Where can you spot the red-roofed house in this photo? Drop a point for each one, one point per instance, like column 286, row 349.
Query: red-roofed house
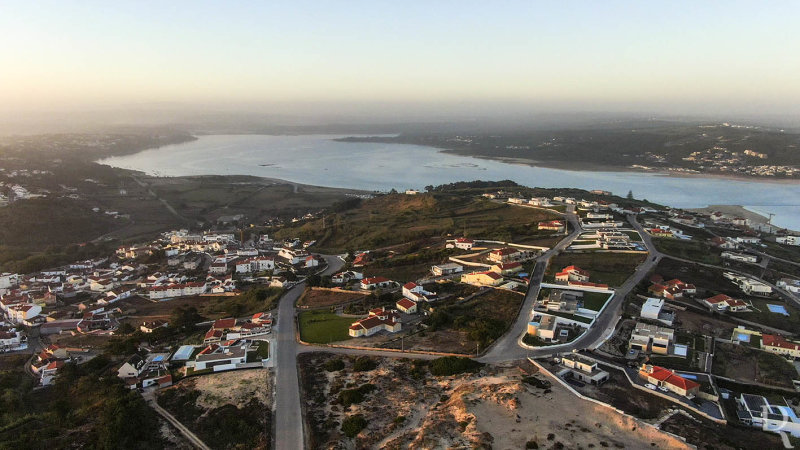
column 660, row 232
column 361, row 259
column 262, row 317
column 213, row 336
column 407, row 306
column 572, row 273
column 506, row 269
column 722, row 302
column 380, row 319
column 375, row 283
column 588, row 284
column 662, row 377
column 224, row 324
column 464, row 243
column 482, row 278
column 553, row 225
column 509, row 254
column 778, row 344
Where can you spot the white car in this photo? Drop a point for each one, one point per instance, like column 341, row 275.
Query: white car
column 650, row 386
column 663, row 389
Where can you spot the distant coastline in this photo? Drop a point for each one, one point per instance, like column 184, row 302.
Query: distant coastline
column 579, row 166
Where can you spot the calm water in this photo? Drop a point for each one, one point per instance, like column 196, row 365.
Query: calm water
column 319, row 160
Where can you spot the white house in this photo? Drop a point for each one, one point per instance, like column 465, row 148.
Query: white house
column 258, row 264
column 788, row 240
column 23, row 312
column 464, row 243
column 132, row 367
column 652, row 308
column 407, row 306
column 293, row 255
column 379, row 319
column 376, row 282
column 446, row 269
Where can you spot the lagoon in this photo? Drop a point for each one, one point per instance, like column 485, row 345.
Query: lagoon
column 322, row 161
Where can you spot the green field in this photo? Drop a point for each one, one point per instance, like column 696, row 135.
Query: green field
column 595, row 300
column 609, row 268
column 761, row 314
column 322, row 327
column 634, row 235
column 693, row 250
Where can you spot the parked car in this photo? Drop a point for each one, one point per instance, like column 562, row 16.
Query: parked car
column 663, row 389
column 650, row 386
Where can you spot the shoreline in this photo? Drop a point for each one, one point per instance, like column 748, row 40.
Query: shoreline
column 589, row 167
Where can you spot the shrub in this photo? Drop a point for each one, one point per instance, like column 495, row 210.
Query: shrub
column 364, row 364
column 453, row 365
column 352, row 425
column 349, row 397
column 333, row 365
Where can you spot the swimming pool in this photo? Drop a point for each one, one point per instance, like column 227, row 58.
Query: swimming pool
column 777, row 309
column 743, row 337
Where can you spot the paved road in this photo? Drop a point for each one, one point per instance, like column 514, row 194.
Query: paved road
column 508, row 348
column 288, row 411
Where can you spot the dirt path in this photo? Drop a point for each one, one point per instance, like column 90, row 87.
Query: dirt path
column 149, row 396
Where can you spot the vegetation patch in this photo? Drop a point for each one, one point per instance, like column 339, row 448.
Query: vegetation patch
column 323, row 327
column 453, row 365
column 693, row 250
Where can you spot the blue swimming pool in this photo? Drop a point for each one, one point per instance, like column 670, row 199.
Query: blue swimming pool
column 743, row 337
column 777, row 309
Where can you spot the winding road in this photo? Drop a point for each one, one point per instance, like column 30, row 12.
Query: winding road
column 289, row 433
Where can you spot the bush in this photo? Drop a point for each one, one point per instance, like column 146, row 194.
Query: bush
column 349, row 397
column 333, row 365
column 352, row 425
column 453, row 365
column 364, row 364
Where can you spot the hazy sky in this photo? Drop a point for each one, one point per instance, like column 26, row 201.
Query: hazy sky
column 56, row 54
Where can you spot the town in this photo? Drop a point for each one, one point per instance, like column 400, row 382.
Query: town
column 673, row 319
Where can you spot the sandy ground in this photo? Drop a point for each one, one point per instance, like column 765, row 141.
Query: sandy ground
column 734, row 210
column 236, row 387
column 491, row 409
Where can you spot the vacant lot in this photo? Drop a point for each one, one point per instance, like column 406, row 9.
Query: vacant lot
column 608, row 268
column 496, row 408
column 323, row 327
column 706, row 434
column 705, row 323
column 761, row 314
column 228, row 410
column 746, row 364
column 454, row 326
column 321, row 297
column 708, row 280
column 694, row 250
column 595, row 300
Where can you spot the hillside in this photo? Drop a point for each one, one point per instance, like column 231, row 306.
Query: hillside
column 398, row 218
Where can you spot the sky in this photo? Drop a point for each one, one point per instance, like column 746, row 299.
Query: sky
column 595, row 55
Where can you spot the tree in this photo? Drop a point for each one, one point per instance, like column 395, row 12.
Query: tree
column 630, row 195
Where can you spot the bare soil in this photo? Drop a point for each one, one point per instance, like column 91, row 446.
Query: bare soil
column 319, row 298
column 494, row 408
